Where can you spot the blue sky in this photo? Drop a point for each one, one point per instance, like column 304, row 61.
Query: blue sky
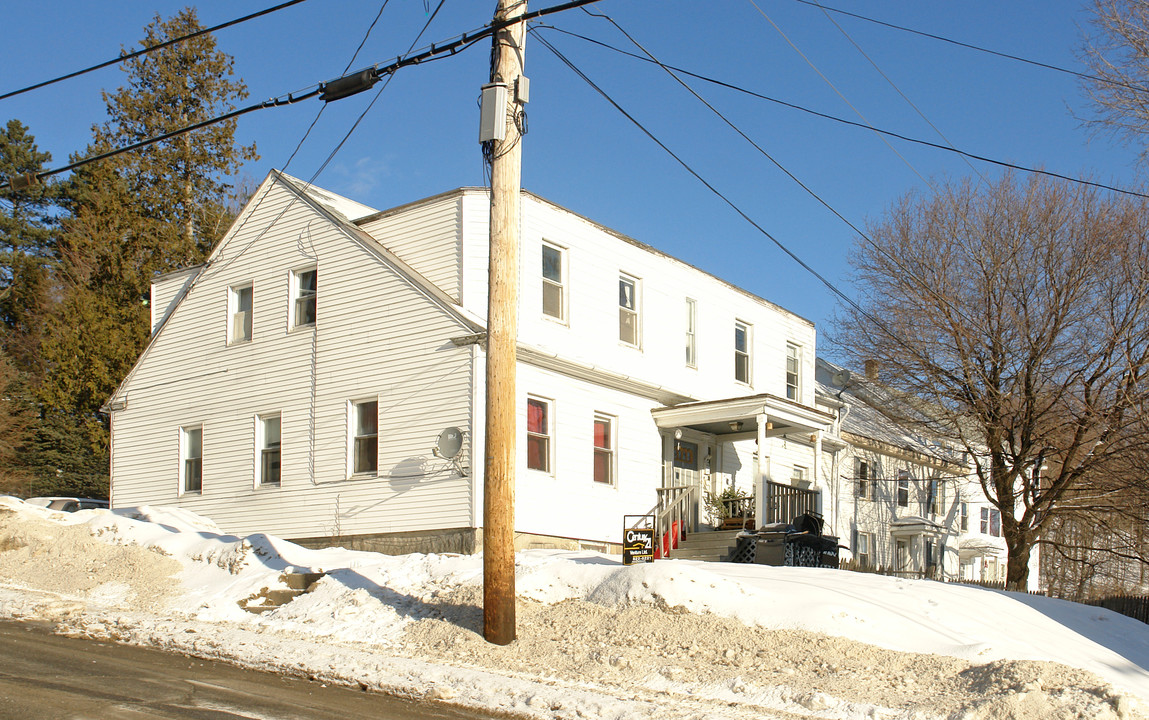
column 420, row 137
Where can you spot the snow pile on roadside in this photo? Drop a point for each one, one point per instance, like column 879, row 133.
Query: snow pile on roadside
column 675, row 639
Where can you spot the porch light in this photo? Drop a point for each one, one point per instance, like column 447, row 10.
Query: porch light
column 735, row 425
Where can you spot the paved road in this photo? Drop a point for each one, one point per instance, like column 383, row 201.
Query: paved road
column 49, row 677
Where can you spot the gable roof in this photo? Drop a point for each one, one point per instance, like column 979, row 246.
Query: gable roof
column 331, row 207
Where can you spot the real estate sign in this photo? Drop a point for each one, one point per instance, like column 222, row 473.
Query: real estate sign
column 637, row 545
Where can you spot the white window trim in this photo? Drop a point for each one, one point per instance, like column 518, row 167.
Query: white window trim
column 293, row 295
column 749, row 353
column 233, row 308
column 796, row 355
column 352, row 417
column 612, row 451
column 636, row 282
column 260, row 447
column 550, row 435
column 692, row 333
column 184, row 430
column 564, row 293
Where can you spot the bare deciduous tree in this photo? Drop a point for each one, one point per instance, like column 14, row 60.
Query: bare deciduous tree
column 1117, row 55
column 1017, row 316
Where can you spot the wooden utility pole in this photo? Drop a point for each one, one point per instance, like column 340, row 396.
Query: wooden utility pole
column 502, row 334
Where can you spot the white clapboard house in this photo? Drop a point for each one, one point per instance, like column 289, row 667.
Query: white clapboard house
column 298, row 381
column 902, row 502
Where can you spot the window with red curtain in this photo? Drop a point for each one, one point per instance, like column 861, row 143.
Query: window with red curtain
column 538, row 435
column 603, row 450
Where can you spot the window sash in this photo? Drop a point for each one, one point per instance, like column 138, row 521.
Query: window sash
column 552, row 278
column 903, row 490
column 691, row 319
column 792, row 371
column 305, row 295
column 241, row 325
column 603, row 451
column 269, row 453
column 862, row 479
column 538, row 435
column 742, row 352
column 365, row 446
column 193, row 460
column 628, row 310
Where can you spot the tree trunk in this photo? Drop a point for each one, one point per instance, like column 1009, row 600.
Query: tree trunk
column 1017, row 563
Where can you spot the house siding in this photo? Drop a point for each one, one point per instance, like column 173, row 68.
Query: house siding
column 427, row 237
column 378, row 335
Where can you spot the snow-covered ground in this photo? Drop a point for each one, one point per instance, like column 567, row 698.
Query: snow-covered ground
column 674, row 639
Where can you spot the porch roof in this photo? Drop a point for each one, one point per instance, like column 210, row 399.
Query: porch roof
column 915, row 525
column 740, row 416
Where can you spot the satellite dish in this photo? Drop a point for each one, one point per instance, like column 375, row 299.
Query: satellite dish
column 840, row 378
column 450, row 442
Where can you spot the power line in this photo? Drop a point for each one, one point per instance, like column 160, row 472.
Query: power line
column 359, row 81
column 852, row 123
column 838, row 92
column 151, row 48
column 969, row 46
column 908, row 271
column 686, row 166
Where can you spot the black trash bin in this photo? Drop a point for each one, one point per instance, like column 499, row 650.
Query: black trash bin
column 770, row 548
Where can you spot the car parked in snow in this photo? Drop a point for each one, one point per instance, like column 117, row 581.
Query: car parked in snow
column 69, row 504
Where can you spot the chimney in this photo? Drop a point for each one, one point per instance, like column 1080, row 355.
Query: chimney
column 871, row 369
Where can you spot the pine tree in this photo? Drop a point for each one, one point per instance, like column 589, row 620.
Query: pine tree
column 149, row 211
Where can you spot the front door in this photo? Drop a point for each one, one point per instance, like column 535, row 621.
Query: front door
column 686, row 472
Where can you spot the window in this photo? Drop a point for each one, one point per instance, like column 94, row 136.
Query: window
column 793, row 365
column 539, row 434
column 863, row 550
column 936, row 499
column 691, row 319
column 991, row 521
column 365, row 441
column 554, row 304
column 269, row 449
column 239, row 312
column 964, row 516
column 798, row 476
column 603, row 449
column 862, row 485
column 628, row 330
column 903, row 488
column 742, row 352
column 304, row 293
column 191, row 459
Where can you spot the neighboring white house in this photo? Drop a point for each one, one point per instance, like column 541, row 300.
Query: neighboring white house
column 900, row 501
column 296, row 383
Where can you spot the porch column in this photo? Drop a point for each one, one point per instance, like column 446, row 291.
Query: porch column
column 761, row 472
column 667, row 458
column 815, row 475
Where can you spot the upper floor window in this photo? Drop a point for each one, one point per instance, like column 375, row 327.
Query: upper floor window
column 691, row 321
column 268, row 439
column 304, row 289
column 742, row 352
column 793, row 366
column 991, row 521
column 603, row 449
column 365, row 436
column 935, row 502
column 964, row 514
column 628, row 310
column 903, row 488
column 191, row 459
column 863, row 488
column 239, row 301
column 554, row 289
column 538, row 434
